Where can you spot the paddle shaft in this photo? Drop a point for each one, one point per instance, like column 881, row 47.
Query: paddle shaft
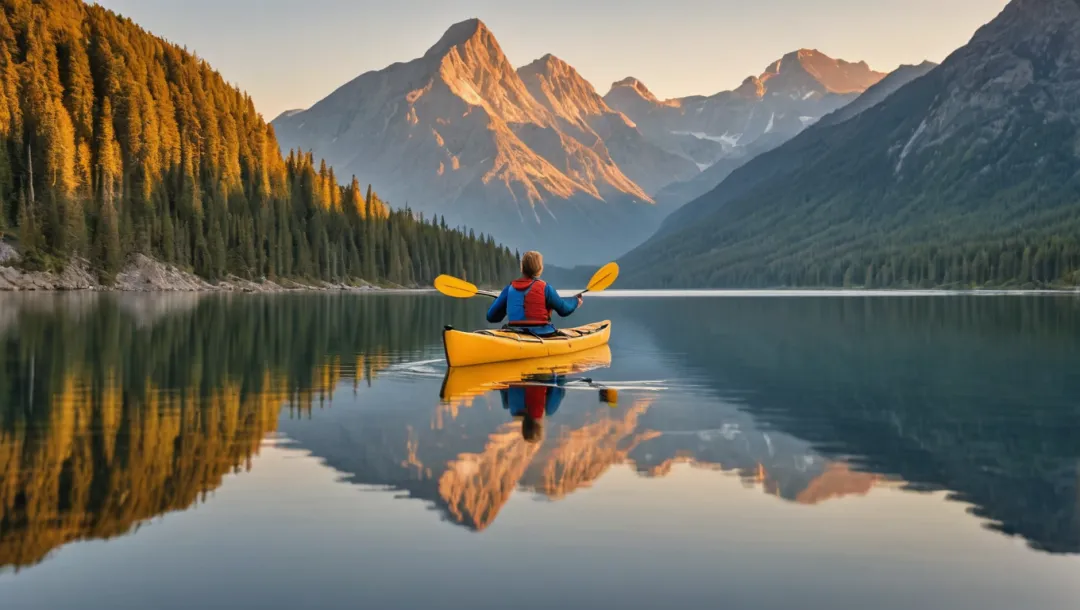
column 458, row 288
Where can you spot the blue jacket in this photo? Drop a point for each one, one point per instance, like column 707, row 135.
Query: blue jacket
column 512, row 301
column 516, row 399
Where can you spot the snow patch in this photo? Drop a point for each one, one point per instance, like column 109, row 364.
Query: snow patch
column 772, row 123
column 910, row 143
column 727, row 138
column 809, row 94
column 703, row 166
column 807, row 120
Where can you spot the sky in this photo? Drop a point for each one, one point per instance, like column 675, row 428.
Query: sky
column 290, row 54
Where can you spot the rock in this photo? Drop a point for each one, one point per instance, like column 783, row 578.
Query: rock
column 8, row 254
column 145, row 274
column 76, row 276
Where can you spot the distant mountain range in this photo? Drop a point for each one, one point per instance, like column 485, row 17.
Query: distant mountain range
column 535, row 156
column 967, row 175
column 679, row 193
column 790, row 94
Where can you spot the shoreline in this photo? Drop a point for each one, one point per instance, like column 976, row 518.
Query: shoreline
column 145, row 275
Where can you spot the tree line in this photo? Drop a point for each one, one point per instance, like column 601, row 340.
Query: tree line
column 1015, row 263
column 115, row 142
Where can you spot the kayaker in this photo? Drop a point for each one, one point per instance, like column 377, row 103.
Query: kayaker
column 532, row 403
column 529, row 301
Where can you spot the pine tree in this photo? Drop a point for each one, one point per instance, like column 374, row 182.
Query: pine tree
column 107, row 248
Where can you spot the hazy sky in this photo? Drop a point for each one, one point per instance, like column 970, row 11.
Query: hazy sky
column 291, row 53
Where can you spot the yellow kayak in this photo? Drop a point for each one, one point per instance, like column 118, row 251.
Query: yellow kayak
column 488, row 346
column 465, row 382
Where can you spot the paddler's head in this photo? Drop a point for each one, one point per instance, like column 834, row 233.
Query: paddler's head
column 532, row 429
column 532, row 264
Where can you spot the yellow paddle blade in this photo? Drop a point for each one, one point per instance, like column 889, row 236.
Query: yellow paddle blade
column 604, row 278
column 454, row 287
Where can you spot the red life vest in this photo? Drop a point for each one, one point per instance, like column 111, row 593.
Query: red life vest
column 536, row 311
column 536, row 401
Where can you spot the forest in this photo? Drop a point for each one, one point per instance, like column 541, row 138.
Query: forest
column 115, row 142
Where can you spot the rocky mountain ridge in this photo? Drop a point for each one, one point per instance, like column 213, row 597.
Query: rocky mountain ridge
column 535, row 156
column 966, row 176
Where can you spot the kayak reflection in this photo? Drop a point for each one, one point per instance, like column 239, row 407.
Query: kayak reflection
column 529, row 389
column 463, row 383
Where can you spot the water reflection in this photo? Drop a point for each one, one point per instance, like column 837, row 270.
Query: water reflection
column 117, row 409
column 973, row 395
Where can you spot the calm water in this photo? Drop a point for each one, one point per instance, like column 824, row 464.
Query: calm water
column 294, row 451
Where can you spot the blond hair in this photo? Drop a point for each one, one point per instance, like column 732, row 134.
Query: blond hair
column 532, row 264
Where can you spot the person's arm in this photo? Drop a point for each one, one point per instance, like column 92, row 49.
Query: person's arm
column 497, row 311
column 559, row 305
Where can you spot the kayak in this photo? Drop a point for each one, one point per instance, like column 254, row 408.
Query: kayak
column 488, row 346
column 462, row 383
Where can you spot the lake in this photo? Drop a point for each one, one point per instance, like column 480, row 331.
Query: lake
column 758, row 451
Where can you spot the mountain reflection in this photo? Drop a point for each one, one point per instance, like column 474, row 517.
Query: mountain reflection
column 467, row 463
column 117, row 409
column 974, row 395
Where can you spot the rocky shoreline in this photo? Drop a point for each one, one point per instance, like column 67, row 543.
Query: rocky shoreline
column 144, row 274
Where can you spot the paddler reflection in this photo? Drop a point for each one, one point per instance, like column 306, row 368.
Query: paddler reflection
column 532, row 401
column 539, row 397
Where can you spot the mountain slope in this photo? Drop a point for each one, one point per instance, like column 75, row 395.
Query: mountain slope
column 457, row 133
column 877, row 94
column 587, row 117
column 676, row 195
column 790, row 94
column 968, row 175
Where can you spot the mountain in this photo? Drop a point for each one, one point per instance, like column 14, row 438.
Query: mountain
column 877, row 94
column 115, row 143
column 790, row 94
column 458, row 133
column 678, row 194
column 587, row 117
column 967, row 176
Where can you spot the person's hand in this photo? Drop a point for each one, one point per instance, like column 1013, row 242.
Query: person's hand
column 580, row 300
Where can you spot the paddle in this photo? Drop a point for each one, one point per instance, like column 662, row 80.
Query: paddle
column 460, row 289
column 608, row 396
column 602, row 279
